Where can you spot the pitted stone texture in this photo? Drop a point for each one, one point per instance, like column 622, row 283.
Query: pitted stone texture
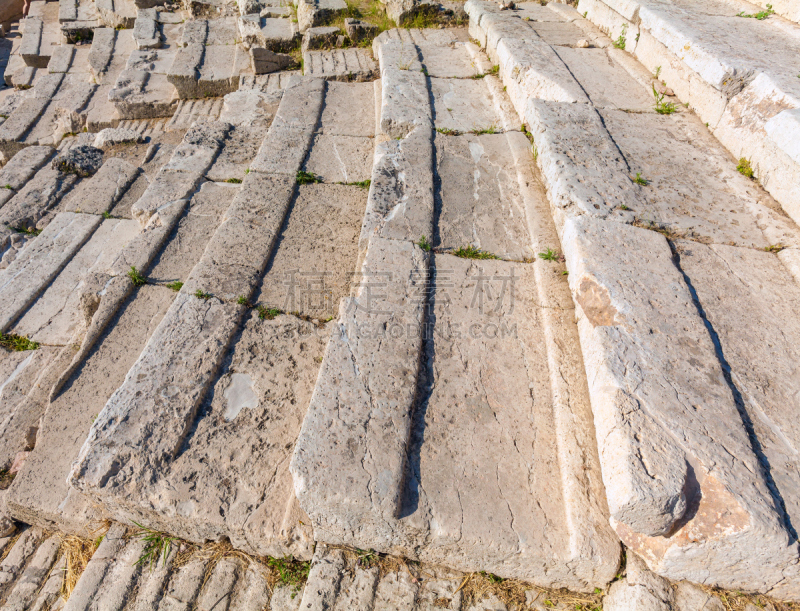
column 250, row 108
column 39, row 195
column 40, row 493
column 313, row 266
column 57, row 317
column 479, row 197
column 404, row 104
column 358, row 30
column 453, row 60
column 319, row 38
column 275, row 34
column 23, row 280
column 641, row 590
column 743, row 289
column 17, row 172
column 264, row 61
column 312, row 13
column 140, row 94
column 165, row 189
column 83, row 161
column 349, row 110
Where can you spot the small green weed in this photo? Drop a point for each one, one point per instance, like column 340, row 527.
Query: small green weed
column 550, row 255
column 234, row 181
column 364, row 184
column 8, row 187
column 291, row 572
column 470, row 252
column 242, row 300
column 448, row 132
column 367, row 558
column 761, row 15
column 106, row 214
column 157, row 546
column 265, row 313
column 495, row 70
column 744, row 168
column 200, row 294
column 623, row 207
column 424, row 244
column 26, row 231
column 774, row 248
column 306, row 178
column 175, row 286
column 17, row 343
column 641, row 181
column 136, row 277
column 662, row 107
column 657, row 72
column 492, row 129
column 619, row 43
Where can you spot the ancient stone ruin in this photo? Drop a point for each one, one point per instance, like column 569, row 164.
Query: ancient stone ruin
column 350, row 305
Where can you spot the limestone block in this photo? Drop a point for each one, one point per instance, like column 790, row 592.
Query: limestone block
column 358, row 30
column 239, row 250
column 102, row 50
column 348, row 65
column 323, row 37
column 218, row 586
column 252, row 591
column 481, row 204
column 82, row 161
column 23, row 280
column 186, row 349
column 138, row 94
column 349, row 110
column 145, row 32
column 96, row 570
column 313, row 13
column 265, row 61
column 184, row 585
column 535, row 72
column 67, row 10
column 404, row 102
column 61, row 58
column 30, row 48
column 119, row 584
column 276, row 34
column 17, row 172
column 250, row 108
column 345, row 159
column 680, row 467
column 34, row 576
column 323, row 579
column 401, row 199
column 641, row 590
column 396, row 54
column 447, row 61
column 165, row 189
column 463, row 105
column 50, row 592
column 313, row 269
column 593, row 181
column 376, row 380
column 25, row 546
column 117, row 135
column 57, row 318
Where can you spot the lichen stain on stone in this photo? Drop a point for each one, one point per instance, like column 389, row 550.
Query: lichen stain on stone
column 596, row 304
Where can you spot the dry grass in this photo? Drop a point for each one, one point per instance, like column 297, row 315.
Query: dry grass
column 738, row 601
column 477, row 586
column 10, row 545
column 77, row 551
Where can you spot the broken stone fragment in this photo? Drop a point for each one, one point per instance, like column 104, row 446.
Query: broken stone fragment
column 265, row 61
column 320, row 38
column 117, row 135
column 358, row 30
column 83, row 161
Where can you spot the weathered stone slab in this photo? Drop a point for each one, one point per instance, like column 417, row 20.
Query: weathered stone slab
column 138, row 94
column 276, row 34
column 239, row 250
column 218, row 588
column 117, row 135
column 404, row 102
column 313, row 13
column 605, row 82
column 713, row 204
column 749, row 298
column 479, row 198
column 57, row 317
column 323, row 37
column 146, row 32
column 102, row 49
column 536, row 72
column 252, row 590
column 23, row 280
column 184, row 585
column 289, row 137
column 31, row 46
column 250, row 108
column 41, row 194
column 32, row 579
column 359, row 31
column 376, row 379
column 264, row 61
column 348, row 65
column 51, row 590
column 165, row 189
column 635, row 307
column 14, row 563
column 17, row 172
column 313, row 267
column 447, row 61
column 349, row 110
column 40, row 493
column 401, row 198
column 61, row 59
column 187, row 348
column 463, row 105
column 344, row 159
column 101, row 564
column 193, row 232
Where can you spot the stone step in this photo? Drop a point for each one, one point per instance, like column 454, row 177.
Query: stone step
column 117, row 13
column 230, row 267
column 189, row 111
column 590, row 154
column 347, row 65
column 280, row 35
column 723, row 66
column 210, row 60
